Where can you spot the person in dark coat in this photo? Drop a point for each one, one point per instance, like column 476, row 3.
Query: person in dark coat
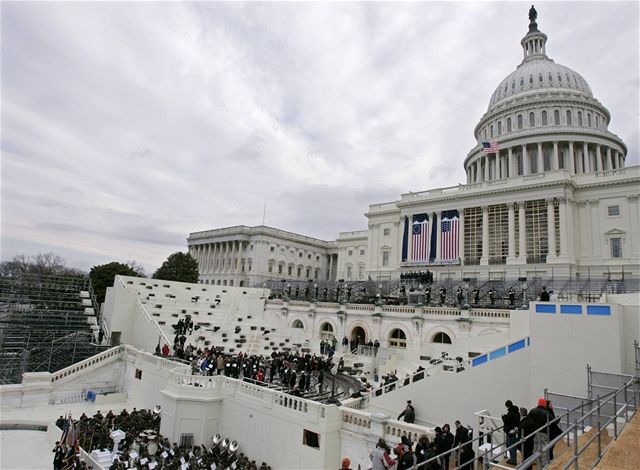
column 449, row 439
column 422, row 448
column 439, row 442
column 554, row 427
column 466, row 457
column 408, row 413
column 527, row 428
column 511, row 422
column 540, row 417
column 408, row 459
column 544, row 295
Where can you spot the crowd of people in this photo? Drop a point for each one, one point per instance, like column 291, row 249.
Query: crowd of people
column 418, row 276
column 534, row 428
column 143, row 446
column 435, row 452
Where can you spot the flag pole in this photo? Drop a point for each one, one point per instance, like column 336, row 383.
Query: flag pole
column 264, row 210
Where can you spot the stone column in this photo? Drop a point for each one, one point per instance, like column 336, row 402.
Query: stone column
column 551, row 230
column 555, row 164
column 484, row 259
column 598, row 158
column 522, row 235
column 634, row 227
column 586, row 161
column 461, row 235
column 486, row 167
column 540, row 158
column 526, row 164
column 438, row 235
column 205, row 258
column 610, row 164
column 330, row 267
column 564, row 231
column 572, row 160
column 512, row 231
column 511, row 167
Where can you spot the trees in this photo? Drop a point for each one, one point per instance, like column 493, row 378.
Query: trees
column 102, row 276
column 46, row 264
column 178, row 267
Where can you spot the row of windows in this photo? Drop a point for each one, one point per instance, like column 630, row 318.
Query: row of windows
column 569, row 80
column 582, row 119
column 350, row 252
column 298, row 270
column 300, row 253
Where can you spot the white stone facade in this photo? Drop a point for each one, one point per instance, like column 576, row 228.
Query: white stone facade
column 248, row 256
column 553, row 200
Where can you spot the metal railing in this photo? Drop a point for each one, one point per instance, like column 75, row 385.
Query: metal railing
column 610, row 411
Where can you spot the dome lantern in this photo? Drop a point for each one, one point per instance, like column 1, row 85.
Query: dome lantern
column 534, row 43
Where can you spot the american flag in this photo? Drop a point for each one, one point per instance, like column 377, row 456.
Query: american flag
column 449, row 249
column 490, row 147
column 420, row 238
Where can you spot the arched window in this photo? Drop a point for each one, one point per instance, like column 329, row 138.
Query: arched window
column 231, row 282
column 579, row 118
column 499, row 127
column 441, row 338
column 544, row 118
column 326, row 331
column 556, row 117
column 589, row 119
column 597, row 121
column 508, row 124
column 298, row 324
column 569, row 117
column 397, row 339
column 519, row 121
column 532, row 120
column 491, row 130
column 485, row 134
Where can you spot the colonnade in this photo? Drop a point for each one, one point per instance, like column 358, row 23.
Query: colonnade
column 516, row 228
column 220, row 257
column 519, row 160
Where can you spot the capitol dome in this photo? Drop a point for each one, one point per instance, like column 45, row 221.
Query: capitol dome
column 542, row 117
column 536, row 75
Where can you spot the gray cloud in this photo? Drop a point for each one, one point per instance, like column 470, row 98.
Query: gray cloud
column 125, row 126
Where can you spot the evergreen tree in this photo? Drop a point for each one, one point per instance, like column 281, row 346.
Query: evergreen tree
column 178, row 267
column 102, row 276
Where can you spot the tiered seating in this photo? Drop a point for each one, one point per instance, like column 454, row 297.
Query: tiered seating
column 46, row 323
column 231, row 318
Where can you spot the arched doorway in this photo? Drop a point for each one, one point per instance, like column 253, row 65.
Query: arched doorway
column 441, row 338
column 326, row 331
column 357, row 337
column 298, row 324
column 397, row 339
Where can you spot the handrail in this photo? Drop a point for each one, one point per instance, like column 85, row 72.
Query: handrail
column 116, row 351
column 537, row 457
column 153, row 322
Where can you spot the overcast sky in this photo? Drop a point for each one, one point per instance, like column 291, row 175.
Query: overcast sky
column 126, row 126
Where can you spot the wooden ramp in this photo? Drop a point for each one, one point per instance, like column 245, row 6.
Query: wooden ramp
column 588, row 457
column 624, row 453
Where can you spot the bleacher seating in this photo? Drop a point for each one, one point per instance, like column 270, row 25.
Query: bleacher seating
column 46, row 323
column 223, row 317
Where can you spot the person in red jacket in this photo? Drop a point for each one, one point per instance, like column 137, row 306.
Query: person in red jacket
column 165, row 350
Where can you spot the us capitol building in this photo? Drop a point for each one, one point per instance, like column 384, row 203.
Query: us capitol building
column 547, row 195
